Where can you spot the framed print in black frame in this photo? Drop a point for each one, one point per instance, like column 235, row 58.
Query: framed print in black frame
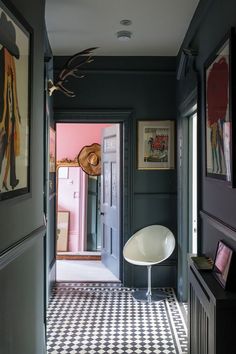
column 224, row 266
column 156, row 145
column 219, row 107
column 15, row 79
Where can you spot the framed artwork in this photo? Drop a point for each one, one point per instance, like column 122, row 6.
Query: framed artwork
column 52, row 150
column 224, row 265
column 15, row 79
column 62, row 230
column 219, row 106
column 156, row 145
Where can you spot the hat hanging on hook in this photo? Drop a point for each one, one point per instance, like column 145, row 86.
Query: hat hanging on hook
column 89, row 159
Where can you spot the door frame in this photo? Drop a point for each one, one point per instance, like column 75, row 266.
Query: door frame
column 186, row 109
column 124, row 118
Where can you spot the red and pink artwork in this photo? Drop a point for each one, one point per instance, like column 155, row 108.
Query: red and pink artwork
column 156, row 145
column 218, row 126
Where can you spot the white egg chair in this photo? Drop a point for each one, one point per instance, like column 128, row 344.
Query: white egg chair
column 147, row 247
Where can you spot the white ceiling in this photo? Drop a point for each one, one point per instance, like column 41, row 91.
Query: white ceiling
column 158, row 26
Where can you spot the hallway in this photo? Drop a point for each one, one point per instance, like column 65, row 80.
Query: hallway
column 90, row 318
column 89, row 271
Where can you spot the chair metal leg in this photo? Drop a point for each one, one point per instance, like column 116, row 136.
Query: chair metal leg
column 149, row 292
column 149, row 295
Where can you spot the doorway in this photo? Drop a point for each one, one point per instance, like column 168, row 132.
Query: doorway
column 192, row 175
column 82, row 228
column 187, row 190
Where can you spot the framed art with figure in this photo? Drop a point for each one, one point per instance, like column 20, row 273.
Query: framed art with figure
column 219, row 107
column 156, row 145
column 15, row 76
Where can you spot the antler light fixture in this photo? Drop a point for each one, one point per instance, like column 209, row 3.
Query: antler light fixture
column 71, row 68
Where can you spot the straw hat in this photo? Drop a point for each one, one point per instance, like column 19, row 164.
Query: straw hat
column 89, row 159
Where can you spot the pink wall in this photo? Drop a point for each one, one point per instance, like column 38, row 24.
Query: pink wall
column 70, row 138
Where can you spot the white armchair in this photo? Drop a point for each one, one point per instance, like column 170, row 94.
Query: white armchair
column 147, row 247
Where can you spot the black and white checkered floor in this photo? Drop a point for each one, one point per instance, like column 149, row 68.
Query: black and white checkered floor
column 105, row 319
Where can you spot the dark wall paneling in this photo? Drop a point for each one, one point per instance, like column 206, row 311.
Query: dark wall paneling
column 21, row 297
column 21, row 208
column 16, row 250
column 214, row 230
column 146, row 85
column 22, row 327
column 212, row 21
column 219, row 200
column 155, row 181
column 146, row 92
column 162, row 276
column 141, row 83
column 121, row 64
column 154, row 208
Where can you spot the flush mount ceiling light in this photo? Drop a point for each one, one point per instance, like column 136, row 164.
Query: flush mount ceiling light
column 126, row 22
column 124, row 35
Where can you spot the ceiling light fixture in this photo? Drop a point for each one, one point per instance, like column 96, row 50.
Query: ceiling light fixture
column 126, row 22
column 124, row 35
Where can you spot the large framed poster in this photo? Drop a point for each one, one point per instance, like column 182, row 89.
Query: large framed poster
column 219, row 110
column 15, row 93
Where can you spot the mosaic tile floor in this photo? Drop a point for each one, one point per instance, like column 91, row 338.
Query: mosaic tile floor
column 105, row 319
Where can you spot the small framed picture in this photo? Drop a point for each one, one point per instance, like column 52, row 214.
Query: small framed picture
column 62, row 230
column 219, row 109
column 223, row 265
column 156, row 145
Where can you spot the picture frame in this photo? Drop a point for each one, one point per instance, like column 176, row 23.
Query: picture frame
column 156, row 145
column 52, row 150
column 16, row 38
column 219, row 83
column 224, row 266
column 62, row 230
column 52, row 160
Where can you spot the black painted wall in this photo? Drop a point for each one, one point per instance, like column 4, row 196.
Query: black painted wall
column 217, row 200
column 22, row 327
column 145, row 85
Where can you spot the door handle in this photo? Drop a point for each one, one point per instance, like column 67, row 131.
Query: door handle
column 102, row 213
